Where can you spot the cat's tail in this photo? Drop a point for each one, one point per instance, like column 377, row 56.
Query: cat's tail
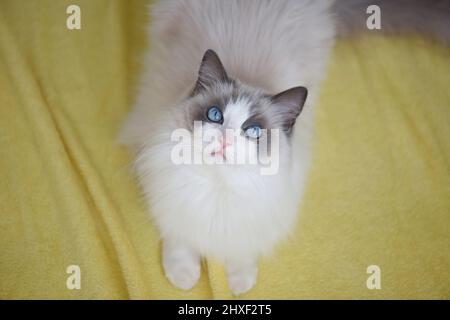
column 430, row 19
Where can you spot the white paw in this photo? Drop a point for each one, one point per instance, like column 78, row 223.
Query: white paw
column 241, row 282
column 182, row 274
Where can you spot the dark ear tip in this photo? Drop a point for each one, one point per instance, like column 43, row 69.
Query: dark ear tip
column 304, row 92
column 295, row 93
column 209, row 53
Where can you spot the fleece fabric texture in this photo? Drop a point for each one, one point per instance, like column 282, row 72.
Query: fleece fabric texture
column 378, row 194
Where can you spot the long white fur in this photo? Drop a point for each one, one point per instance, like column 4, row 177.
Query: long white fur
column 234, row 215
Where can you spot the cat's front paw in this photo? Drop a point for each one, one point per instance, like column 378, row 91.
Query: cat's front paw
column 181, row 265
column 183, row 276
column 242, row 281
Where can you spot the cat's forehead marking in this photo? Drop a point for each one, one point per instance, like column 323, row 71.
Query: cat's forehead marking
column 237, row 112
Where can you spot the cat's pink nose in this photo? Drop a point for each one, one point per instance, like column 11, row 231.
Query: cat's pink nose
column 223, row 145
column 228, row 142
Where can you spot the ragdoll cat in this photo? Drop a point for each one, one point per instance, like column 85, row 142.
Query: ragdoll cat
column 252, row 67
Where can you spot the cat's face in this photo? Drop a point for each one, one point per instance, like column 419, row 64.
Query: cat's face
column 235, row 123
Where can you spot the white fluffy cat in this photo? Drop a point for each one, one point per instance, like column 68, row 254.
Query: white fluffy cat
column 232, row 213
column 242, row 65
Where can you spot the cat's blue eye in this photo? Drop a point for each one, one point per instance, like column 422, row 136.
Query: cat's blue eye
column 214, row 114
column 254, row 131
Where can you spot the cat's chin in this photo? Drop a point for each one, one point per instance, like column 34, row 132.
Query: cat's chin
column 219, row 156
column 223, row 161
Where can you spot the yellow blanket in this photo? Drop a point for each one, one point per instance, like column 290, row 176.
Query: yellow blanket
column 379, row 192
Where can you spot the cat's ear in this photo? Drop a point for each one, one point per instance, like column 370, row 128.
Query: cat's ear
column 289, row 104
column 211, row 71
